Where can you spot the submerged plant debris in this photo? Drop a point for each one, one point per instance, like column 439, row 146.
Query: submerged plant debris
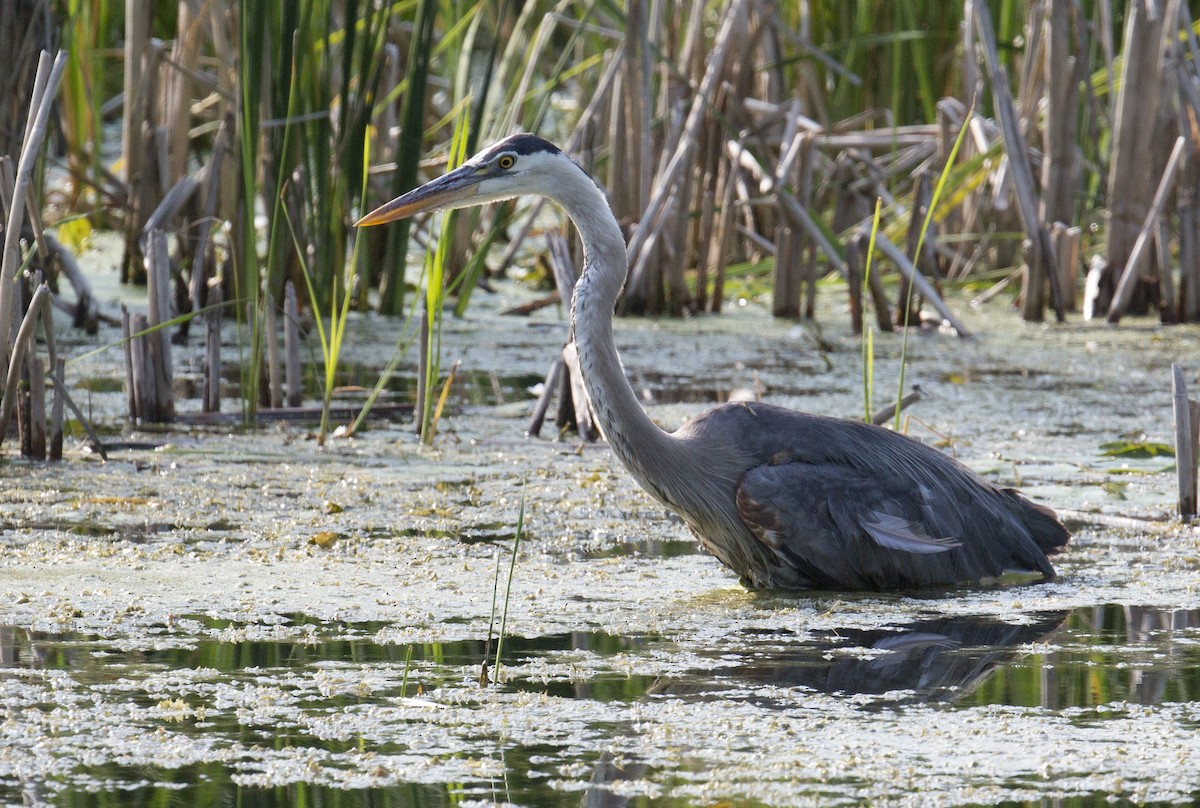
column 243, row 618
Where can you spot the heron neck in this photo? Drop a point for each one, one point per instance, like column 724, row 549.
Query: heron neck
column 634, row 438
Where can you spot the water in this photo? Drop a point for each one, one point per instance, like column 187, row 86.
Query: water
column 241, row 617
column 327, row 715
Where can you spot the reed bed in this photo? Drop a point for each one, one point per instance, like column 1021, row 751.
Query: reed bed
column 743, row 145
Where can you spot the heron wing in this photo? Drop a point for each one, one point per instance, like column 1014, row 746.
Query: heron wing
column 845, row 528
column 889, row 530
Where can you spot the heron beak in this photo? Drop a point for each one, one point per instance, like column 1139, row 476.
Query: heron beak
column 447, row 191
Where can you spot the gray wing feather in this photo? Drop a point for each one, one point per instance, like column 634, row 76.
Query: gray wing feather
column 848, row 529
column 899, row 534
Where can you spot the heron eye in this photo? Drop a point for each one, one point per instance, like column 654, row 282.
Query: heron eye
column 506, row 161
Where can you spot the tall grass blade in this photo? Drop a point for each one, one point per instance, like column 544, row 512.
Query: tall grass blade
column 408, row 153
column 868, row 346
column 435, row 290
column 512, row 566
column 933, row 205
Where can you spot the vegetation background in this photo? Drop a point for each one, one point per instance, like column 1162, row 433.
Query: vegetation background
column 740, row 141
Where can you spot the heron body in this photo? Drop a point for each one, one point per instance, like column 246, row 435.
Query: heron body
column 784, row 499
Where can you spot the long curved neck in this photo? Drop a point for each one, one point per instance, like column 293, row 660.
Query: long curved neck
column 634, row 438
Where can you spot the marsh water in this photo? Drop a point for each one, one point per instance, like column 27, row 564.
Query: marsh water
column 219, row 616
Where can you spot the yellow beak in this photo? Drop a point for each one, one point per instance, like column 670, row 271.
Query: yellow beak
column 447, row 191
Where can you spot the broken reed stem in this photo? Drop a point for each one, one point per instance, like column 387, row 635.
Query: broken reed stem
column 212, row 351
column 57, row 410
column 142, row 380
column 21, row 344
column 160, row 375
column 61, row 390
column 920, row 284
column 884, row 414
column 667, row 180
column 1132, row 271
column 422, row 364
column 37, row 407
column 131, row 399
column 440, row 406
column 786, row 298
column 854, row 273
column 293, row 378
column 274, row 371
column 1041, row 256
column 41, row 100
column 549, row 387
column 583, row 414
column 1187, row 430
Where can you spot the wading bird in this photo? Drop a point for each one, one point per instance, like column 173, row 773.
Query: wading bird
column 785, row 499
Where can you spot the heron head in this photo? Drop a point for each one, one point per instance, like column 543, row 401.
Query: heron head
column 516, row 165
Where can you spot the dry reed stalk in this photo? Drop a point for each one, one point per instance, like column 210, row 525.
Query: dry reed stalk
column 144, row 380
column 85, row 313
column 57, row 411
column 786, row 298
column 158, row 295
column 703, row 240
column 1187, row 442
column 879, row 299
column 210, row 182
column 1130, row 184
column 22, row 344
column 294, row 379
column 1058, row 129
column 35, row 421
column 1168, row 307
column 919, row 283
column 723, row 233
column 212, row 353
column 854, row 273
column 178, row 89
column 422, row 368
column 168, row 206
column 678, row 253
column 542, row 406
column 796, row 213
column 564, row 415
column 274, row 362
column 135, row 131
column 632, row 151
column 888, row 412
column 1067, row 243
column 884, row 139
column 1133, row 270
column 41, row 99
column 583, row 414
column 562, row 267
column 914, row 236
column 131, row 375
column 1188, row 194
column 8, row 180
column 1040, row 256
column 680, row 158
column 573, row 407
column 951, row 114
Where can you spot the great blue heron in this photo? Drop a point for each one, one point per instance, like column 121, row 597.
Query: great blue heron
column 784, row 499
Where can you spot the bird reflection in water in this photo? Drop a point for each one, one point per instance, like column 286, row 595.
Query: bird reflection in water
column 942, row 659
column 939, row 660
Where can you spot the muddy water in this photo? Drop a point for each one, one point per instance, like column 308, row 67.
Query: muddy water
column 244, row 618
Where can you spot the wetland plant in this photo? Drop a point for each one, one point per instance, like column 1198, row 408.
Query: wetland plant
column 512, row 568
